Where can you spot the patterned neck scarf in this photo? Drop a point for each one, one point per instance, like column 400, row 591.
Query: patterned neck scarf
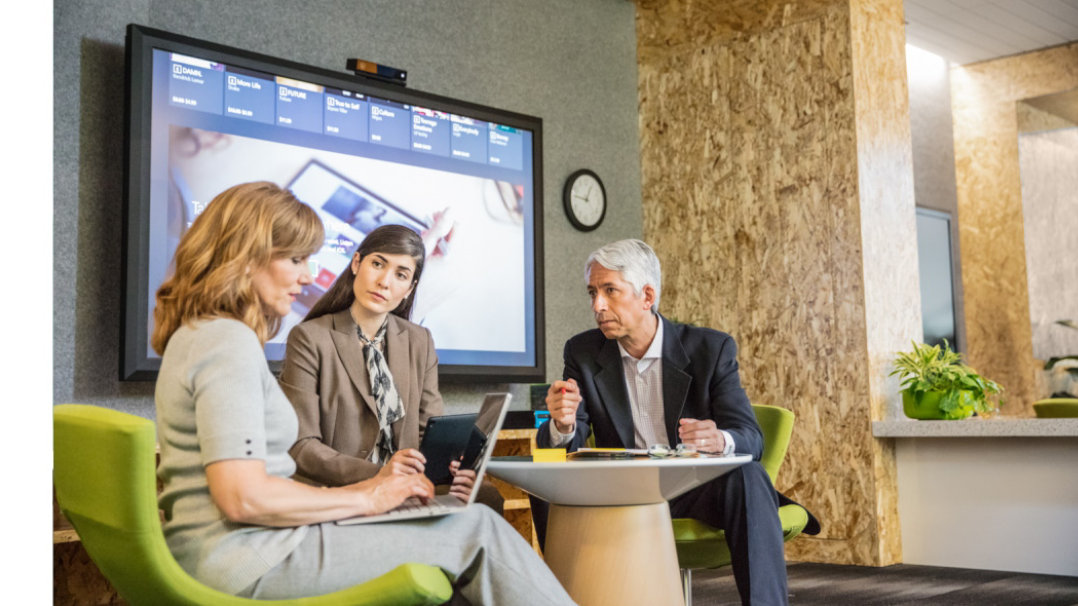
column 389, row 406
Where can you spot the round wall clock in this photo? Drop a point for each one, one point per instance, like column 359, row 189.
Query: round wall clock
column 584, row 198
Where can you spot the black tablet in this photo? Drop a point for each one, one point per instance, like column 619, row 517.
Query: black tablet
column 444, row 441
column 474, row 451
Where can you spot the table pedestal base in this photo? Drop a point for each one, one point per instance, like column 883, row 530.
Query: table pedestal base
column 614, row 555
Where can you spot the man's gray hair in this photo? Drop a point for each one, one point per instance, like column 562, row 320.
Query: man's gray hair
column 635, row 260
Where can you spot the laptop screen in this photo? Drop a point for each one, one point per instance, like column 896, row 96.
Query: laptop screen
column 484, row 435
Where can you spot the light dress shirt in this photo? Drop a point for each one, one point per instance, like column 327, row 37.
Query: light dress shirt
column 644, row 383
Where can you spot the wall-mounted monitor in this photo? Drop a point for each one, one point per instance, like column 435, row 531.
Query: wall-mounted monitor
column 202, row 117
column 935, row 261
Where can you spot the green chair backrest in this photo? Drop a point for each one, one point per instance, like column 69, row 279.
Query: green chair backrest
column 104, row 473
column 701, row 546
column 777, row 425
column 103, row 469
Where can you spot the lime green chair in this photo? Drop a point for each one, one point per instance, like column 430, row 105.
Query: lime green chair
column 1056, row 408
column 702, row 546
column 104, row 474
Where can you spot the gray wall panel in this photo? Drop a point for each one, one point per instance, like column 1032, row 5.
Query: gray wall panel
column 932, row 133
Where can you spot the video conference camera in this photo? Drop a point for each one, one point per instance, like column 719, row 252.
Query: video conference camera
column 383, row 73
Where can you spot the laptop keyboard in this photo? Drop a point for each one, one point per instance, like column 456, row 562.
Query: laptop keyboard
column 414, row 505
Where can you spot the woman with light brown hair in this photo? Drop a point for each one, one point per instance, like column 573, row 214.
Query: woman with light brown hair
column 254, row 226
column 233, row 518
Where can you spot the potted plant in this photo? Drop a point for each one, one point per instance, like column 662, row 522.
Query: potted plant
column 937, row 385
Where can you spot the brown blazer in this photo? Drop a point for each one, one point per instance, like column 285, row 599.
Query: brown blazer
column 325, row 377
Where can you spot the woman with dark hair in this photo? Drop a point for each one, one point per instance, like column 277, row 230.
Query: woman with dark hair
column 362, row 378
column 391, row 239
column 233, row 517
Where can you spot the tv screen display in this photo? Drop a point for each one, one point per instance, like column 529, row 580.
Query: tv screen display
column 936, row 268
column 202, row 117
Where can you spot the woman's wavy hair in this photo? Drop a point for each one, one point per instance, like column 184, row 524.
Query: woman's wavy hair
column 243, row 229
column 388, row 239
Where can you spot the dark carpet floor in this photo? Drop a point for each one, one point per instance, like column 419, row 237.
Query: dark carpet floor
column 898, row 585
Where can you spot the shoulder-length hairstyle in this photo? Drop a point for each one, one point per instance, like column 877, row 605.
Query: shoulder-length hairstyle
column 388, row 239
column 241, row 230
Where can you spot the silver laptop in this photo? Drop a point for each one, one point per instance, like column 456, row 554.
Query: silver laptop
column 487, row 425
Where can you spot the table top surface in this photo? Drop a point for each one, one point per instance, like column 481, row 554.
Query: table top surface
column 638, row 481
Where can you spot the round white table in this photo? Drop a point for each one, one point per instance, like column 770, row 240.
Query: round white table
column 609, row 538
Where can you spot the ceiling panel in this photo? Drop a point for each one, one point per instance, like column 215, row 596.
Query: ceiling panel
column 1049, row 21
column 967, row 31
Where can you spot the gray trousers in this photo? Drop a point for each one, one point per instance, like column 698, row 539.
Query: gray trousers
column 333, row 557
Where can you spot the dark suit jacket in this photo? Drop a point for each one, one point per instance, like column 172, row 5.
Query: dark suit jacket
column 325, row 377
column 700, row 381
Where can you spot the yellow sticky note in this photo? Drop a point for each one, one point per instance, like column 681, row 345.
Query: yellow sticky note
column 548, row 455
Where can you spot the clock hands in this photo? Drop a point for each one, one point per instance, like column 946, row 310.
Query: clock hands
column 586, row 196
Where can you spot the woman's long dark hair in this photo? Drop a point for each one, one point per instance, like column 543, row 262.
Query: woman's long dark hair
column 388, row 239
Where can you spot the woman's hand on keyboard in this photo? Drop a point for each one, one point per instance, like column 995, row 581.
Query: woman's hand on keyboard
column 386, row 492
column 406, row 461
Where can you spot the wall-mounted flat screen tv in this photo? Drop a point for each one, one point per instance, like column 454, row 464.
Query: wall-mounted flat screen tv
column 935, row 262
column 202, row 117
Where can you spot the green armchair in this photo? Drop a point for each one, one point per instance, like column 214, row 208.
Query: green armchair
column 702, row 546
column 104, row 474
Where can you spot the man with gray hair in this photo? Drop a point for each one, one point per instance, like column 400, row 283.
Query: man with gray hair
column 640, row 380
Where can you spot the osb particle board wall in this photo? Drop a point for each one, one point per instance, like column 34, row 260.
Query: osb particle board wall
column 990, row 222
column 775, row 203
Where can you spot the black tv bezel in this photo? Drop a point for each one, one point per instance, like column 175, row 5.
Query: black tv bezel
column 135, row 364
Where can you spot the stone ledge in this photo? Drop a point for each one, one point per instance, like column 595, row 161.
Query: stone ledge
column 1005, row 427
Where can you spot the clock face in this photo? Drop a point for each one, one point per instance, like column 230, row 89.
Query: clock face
column 585, row 200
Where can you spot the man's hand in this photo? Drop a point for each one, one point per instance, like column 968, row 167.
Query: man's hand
column 406, row 461
column 562, row 400
column 704, row 435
